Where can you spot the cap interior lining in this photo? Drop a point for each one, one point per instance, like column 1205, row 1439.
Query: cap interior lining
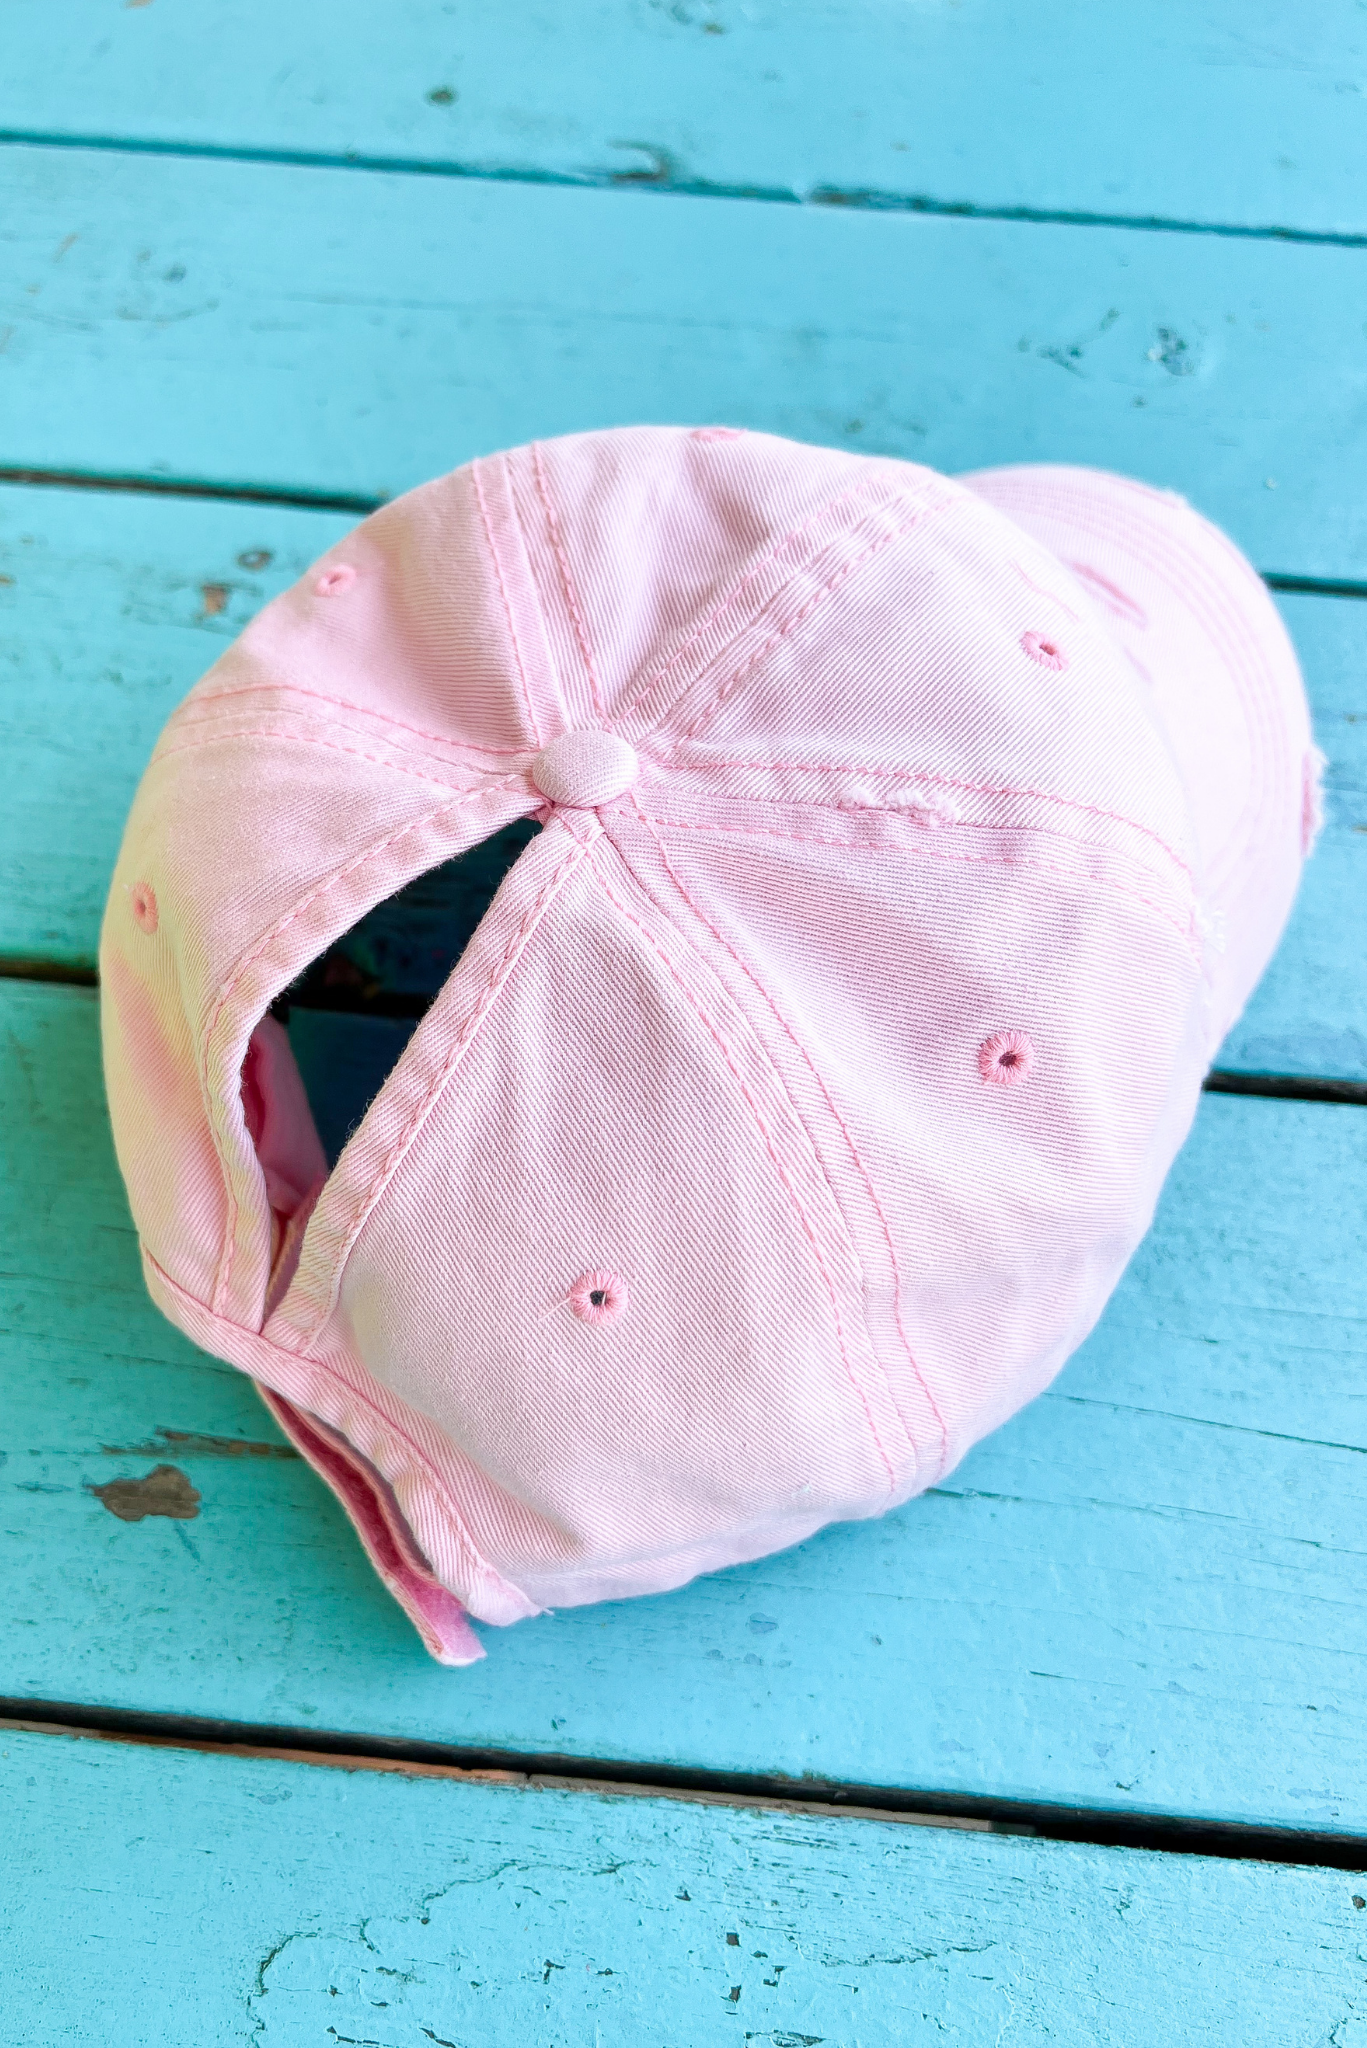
column 351, row 1013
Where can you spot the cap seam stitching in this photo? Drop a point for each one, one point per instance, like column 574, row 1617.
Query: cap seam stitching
column 855, row 1154
column 533, row 721
column 861, row 487
column 840, row 574
column 929, row 853
column 211, row 698
column 303, row 739
column 719, row 1040
column 559, row 709
column 403, row 1143
column 914, row 775
column 243, row 965
column 908, row 814
column 567, row 582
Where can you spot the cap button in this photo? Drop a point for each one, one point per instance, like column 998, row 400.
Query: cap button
column 585, row 769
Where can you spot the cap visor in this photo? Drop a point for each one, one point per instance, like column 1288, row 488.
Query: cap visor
column 1195, row 622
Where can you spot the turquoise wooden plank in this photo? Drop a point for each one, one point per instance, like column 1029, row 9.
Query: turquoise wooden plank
column 1145, row 1594
column 350, row 332
column 293, row 1905
column 1309, row 1014
column 111, row 607
column 1232, row 110
column 115, row 604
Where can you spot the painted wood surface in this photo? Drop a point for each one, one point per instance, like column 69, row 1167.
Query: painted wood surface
column 1144, row 1594
column 329, row 330
column 1240, row 111
column 1308, row 1015
column 112, row 605
column 300, row 1907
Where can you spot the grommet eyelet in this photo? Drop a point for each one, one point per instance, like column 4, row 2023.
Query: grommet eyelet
column 1046, row 652
column 599, row 1297
column 142, row 901
column 1005, row 1058
column 333, row 582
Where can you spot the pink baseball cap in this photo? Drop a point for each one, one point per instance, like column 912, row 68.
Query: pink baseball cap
column 907, row 847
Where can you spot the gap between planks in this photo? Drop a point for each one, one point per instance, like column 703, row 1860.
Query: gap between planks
column 1164, row 1833
column 344, row 1759
column 661, row 179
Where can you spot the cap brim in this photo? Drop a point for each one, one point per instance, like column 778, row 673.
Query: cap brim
column 1195, row 622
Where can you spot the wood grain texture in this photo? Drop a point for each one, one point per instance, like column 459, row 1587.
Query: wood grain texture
column 1308, row 1015
column 1238, row 111
column 349, row 332
column 1144, row 1594
column 112, row 605
column 302, row 1907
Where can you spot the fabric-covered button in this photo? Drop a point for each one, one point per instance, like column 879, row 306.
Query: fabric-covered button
column 583, row 769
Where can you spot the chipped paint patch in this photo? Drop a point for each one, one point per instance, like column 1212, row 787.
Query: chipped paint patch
column 163, row 1491
column 189, row 1443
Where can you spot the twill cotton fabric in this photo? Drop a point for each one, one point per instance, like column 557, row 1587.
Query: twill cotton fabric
column 908, row 846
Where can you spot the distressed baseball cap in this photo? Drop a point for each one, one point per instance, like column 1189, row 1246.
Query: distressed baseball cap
column 906, row 847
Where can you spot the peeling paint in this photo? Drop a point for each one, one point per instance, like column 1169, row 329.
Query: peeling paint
column 164, row 1490
column 189, row 1443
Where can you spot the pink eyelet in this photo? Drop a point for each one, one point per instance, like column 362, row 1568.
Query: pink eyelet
column 1005, row 1058
column 142, row 902
column 333, row 582
column 715, row 434
column 600, row 1297
column 1046, row 652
